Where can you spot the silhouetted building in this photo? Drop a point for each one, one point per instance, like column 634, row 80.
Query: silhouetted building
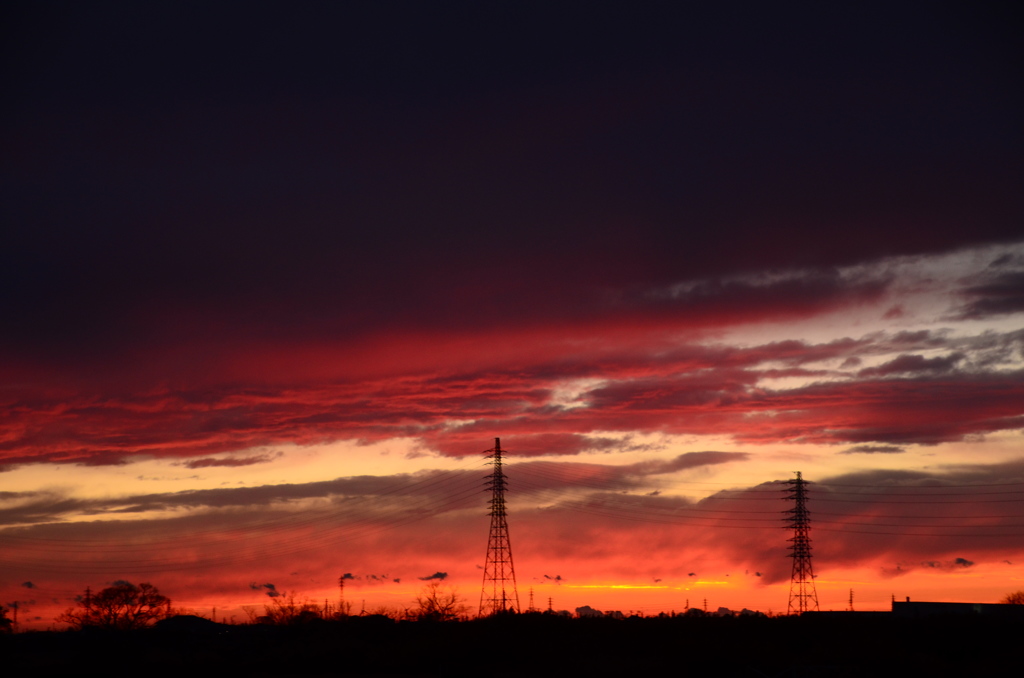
column 916, row 610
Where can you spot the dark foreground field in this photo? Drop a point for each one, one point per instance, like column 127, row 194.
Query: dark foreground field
column 535, row 645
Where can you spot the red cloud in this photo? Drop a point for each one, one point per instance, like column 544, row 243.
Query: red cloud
column 685, row 389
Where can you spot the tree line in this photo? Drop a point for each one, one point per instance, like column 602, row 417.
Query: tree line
column 124, row 606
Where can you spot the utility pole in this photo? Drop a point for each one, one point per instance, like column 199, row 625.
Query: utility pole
column 851, row 600
column 802, row 594
column 531, row 600
column 499, row 573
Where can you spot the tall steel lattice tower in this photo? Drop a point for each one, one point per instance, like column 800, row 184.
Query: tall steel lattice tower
column 499, row 590
column 802, row 595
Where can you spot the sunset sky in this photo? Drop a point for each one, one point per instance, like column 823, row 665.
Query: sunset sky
column 274, row 276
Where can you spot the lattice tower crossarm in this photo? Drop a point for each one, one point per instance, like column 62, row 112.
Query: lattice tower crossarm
column 499, row 592
column 802, row 594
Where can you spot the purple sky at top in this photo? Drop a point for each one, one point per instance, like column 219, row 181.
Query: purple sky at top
column 251, row 168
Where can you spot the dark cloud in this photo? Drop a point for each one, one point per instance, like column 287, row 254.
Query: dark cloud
column 16, row 495
column 1000, row 294
column 535, row 444
column 927, row 517
column 50, row 508
column 437, row 575
column 372, row 578
column 913, row 364
column 230, row 461
column 874, row 449
column 269, row 589
column 924, row 410
column 956, row 563
column 1005, row 259
column 355, row 495
column 28, row 585
column 685, row 461
column 807, row 291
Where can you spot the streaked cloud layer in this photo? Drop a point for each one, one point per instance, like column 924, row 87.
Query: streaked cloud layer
column 929, row 379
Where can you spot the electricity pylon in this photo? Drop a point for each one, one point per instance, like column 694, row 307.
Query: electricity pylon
column 802, row 595
column 499, row 573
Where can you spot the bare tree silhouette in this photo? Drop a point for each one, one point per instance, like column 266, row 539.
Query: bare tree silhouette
column 6, row 623
column 287, row 610
column 439, row 603
column 1015, row 598
column 121, row 606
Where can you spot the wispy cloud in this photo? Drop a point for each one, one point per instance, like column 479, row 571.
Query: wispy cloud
column 874, row 449
column 440, row 576
column 231, row 461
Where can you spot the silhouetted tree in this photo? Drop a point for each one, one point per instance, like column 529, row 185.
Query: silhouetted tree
column 392, row 612
column 286, row 610
column 438, row 603
column 6, row 624
column 1015, row 598
column 121, row 606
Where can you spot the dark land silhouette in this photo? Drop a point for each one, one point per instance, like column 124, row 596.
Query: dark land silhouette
column 534, row 645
